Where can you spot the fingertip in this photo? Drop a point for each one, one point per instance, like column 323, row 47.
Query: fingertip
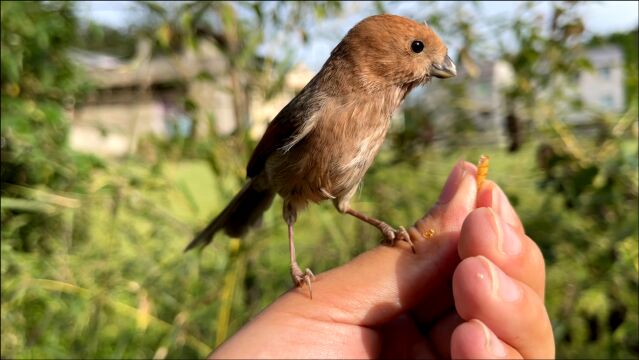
column 510, row 308
column 471, row 279
column 464, row 199
column 474, row 340
column 456, row 201
column 470, row 167
column 492, row 196
column 477, row 233
column 485, row 194
column 453, row 183
column 461, row 171
column 485, row 233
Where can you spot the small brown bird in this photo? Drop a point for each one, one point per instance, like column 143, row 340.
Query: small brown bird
column 322, row 143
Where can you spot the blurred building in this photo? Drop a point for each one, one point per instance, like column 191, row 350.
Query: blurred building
column 147, row 96
column 487, row 105
column 603, row 88
column 476, row 94
column 484, row 104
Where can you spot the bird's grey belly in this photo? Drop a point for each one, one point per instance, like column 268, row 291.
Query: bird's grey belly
column 351, row 168
column 311, row 172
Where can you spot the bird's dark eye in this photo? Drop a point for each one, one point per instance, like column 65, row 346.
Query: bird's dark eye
column 417, row 46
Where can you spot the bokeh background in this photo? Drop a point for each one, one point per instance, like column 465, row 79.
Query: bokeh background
column 126, row 126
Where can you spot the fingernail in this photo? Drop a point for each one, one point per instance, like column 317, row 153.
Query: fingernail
column 510, row 243
column 452, row 184
column 501, row 284
column 502, row 207
column 491, row 342
column 507, row 239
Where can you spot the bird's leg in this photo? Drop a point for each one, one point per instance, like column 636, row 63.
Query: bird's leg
column 299, row 277
column 390, row 235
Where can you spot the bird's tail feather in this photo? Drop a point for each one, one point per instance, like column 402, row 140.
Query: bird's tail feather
column 243, row 212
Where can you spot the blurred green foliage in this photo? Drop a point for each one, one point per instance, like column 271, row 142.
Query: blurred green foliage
column 92, row 262
column 38, row 84
column 593, row 269
column 237, row 30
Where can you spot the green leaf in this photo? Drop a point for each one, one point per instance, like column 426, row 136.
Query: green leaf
column 8, row 203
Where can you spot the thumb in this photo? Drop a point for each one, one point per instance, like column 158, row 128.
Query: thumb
column 386, row 281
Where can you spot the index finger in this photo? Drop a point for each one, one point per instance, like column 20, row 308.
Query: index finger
column 496, row 232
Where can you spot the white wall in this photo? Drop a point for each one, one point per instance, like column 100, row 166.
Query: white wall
column 603, row 88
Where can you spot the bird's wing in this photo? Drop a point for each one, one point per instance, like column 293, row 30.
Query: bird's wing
column 290, row 126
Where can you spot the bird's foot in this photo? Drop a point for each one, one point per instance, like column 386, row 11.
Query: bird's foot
column 391, row 236
column 302, row 277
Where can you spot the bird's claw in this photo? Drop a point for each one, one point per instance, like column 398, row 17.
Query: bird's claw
column 300, row 278
column 391, row 236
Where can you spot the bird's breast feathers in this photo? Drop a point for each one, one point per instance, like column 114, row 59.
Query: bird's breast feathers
column 331, row 152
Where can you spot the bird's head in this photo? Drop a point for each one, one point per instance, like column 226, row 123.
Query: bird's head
column 395, row 50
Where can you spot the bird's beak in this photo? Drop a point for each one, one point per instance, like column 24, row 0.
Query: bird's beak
column 444, row 70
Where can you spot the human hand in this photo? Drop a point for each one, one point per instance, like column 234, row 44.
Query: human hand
column 389, row 302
